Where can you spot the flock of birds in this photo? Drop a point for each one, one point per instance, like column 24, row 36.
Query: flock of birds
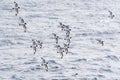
column 36, row 44
column 67, row 39
column 22, row 22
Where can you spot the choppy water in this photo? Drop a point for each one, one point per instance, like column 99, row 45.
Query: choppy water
column 88, row 20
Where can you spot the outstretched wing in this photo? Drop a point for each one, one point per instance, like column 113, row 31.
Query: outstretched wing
column 22, row 20
column 43, row 60
column 16, row 5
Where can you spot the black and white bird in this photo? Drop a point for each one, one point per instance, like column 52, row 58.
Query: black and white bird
column 100, row 42
column 16, row 8
column 34, row 46
column 44, row 63
column 61, row 25
column 60, row 50
column 23, row 23
column 68, row 39
column 68, row 32
column 39, row 44
column 66, row 46
column 111, row 15
column 67, row 28
column 56, row 38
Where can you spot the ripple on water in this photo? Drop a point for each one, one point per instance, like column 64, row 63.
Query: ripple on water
column 15, row 77
column 112, row 57
column 54, row 66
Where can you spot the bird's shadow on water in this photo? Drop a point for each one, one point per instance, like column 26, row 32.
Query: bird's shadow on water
column 6, row 67
column 54, row 66
column 15, row 77
column 6, row 42
column 112, row 57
